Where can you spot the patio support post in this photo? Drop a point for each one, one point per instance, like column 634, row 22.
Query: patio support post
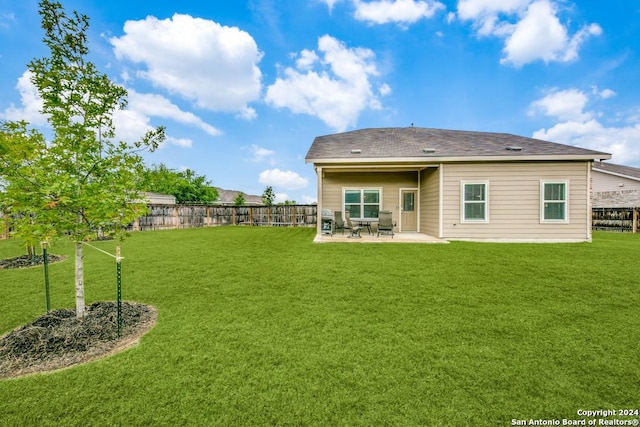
column 320, row 174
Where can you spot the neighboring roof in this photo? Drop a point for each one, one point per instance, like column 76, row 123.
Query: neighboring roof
column 159, row 198
column 414, row 143
column 618, row 170
column 227, row 197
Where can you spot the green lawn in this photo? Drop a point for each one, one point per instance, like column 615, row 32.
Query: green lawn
column 259, row 326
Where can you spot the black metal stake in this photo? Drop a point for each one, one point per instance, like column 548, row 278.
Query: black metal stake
column 45, row 258
column 119, row 299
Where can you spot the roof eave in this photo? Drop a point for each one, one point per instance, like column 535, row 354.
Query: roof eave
column 435, row 159
column 620, row 175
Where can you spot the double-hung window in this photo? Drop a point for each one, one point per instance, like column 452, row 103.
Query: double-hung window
column 553, row 201
column 475, row 201
column 362, row 203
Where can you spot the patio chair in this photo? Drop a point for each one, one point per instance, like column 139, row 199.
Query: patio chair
column 354, row 231
column 385, row 223
column 338, row 221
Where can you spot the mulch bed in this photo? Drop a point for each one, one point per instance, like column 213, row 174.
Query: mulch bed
column 28, row 261
column 58, row 339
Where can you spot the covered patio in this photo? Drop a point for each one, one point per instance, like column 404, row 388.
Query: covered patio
column 405, row 237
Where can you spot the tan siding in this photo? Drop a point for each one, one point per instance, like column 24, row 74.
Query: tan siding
column 429, row 210
column 514, row 200
column 390, row 182
column 607, row 182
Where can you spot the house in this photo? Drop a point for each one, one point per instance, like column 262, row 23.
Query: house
column 159, row 198
column 228, row 197
column 458, row 185
column 615, row 186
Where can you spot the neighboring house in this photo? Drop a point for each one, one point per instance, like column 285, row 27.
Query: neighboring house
column 227, row 198
column 615, row 186
column 160, row 199
column 458, row 185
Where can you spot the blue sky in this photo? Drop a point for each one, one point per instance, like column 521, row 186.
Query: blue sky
column 243, row 87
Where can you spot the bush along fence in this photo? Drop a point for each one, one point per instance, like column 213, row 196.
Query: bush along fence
column 164, row 217
column 616, row 219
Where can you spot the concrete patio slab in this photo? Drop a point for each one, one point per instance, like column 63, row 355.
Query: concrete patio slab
column 372, row 238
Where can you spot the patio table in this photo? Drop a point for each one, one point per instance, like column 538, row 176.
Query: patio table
column 366, row 223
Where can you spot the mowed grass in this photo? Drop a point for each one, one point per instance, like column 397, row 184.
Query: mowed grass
column 260, row 326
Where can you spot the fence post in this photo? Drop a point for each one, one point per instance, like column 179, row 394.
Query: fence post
column 175, row 217
column 635, row 220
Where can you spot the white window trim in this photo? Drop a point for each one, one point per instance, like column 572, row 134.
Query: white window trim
column 566, row 201
column 362, row 190
column 463, row 220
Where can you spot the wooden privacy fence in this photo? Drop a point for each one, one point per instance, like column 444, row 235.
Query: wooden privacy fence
column 615, row 219
column 164, row 217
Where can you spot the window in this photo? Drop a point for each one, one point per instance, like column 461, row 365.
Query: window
column 362, row 203
column 553, row 201
column 474, row 202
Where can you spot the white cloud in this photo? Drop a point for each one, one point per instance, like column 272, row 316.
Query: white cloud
column 159, row 106
column 306, row 60
column 31, row 103
column 564, row 104
column 538, row 35
column 580, row 128
column 384, row 89
column 604, row 93
column 478, row 10
column 531, row 28
column 335, row 87
column 133, row 122
column 180, row 142
column 261, row 153
column 307, row 200
column 330, row 3
column 130, row 124
column 395, row 11
column 283, row 179
column 281, row 197
column 216, row 66
column 7, row 20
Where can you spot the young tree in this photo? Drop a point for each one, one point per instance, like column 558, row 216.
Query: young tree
column 268, row 196
column 81, row 180
column 20, row 150
column 240, row 199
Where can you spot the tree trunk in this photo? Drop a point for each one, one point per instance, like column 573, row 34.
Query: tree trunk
column 79, row 282
column 31, row 253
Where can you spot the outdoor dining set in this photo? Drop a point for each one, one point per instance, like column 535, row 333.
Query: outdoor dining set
column 333, row 222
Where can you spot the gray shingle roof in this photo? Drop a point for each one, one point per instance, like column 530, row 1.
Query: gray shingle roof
column 424, row 143
column 612, row 168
